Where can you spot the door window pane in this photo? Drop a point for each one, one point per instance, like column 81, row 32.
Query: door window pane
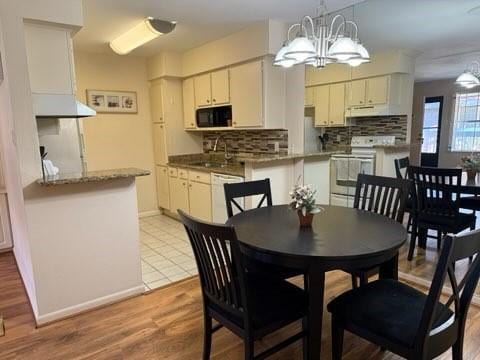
column 431, row 118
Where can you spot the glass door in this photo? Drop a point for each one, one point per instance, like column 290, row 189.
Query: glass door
column 432, row 124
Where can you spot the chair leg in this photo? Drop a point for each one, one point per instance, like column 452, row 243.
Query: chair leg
column 457, row 349
column 354, row 282
column 410, row 222
column 363, row 279
column 439, row 239
column 249, row 347
column 337, row 339
column 305, row 329
column 207, row 336
column 413, row 240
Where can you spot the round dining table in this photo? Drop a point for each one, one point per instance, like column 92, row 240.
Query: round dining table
column 340, row 239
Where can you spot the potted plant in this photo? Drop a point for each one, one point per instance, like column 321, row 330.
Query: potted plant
column 471, row 164
column 303, row 201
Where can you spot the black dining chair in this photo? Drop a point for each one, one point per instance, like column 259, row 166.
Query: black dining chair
column 381, row 195
column 406, row 321
column 437, row 208
column 236, row 191
column 401, row 166
column 248, row 304
column 260, row 188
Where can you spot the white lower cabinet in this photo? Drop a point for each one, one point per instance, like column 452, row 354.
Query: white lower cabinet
column 5, row 230
column 200, row 199
column 163, row 191
column 178, row 194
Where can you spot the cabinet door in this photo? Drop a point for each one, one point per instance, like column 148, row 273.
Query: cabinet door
column 203, row 94
column 377, row 90
column 5, row 229
column 246, row 83
column 189, row 104
column 178, row 194
column 220, row 87
column 357, row 93
column 337, row 105
column 321, row 102
column 309, row 97
column 200, row 200
column 156, row 103
column 159, row 144
column 163, row 193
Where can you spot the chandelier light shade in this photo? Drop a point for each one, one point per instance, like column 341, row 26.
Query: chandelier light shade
column 343, row 49
column 300, row 50
column 141, row 34
column 318, row 43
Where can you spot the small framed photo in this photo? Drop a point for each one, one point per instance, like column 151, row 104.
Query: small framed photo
column 105, row 101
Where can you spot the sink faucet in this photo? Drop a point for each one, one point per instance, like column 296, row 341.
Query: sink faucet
column 215, row 146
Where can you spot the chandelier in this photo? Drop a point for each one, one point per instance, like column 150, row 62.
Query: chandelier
column 470, row 77
column 318, row 44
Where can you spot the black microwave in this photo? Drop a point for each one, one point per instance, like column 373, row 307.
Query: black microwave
column 219, row 116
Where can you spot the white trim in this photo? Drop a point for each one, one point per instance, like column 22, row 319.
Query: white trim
column 426, row 284
column 149, row 213
column 89, row 305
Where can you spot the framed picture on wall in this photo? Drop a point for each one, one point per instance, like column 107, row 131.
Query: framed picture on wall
column 104, row 101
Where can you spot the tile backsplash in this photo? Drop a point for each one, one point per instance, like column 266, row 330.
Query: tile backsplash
column 391, row 125
column 248, row 141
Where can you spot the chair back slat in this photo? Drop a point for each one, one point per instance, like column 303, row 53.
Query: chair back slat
column 382, row 195
column 245, row 189
column 437, row 189
column 219, row 263
column 455, row 248
column 401, row 165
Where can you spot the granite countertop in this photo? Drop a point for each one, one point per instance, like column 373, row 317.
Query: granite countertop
column 92, row 176
column 262, row 158
column 234, row 168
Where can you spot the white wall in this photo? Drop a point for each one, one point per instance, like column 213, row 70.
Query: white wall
column 447, row 89
column 119, row 140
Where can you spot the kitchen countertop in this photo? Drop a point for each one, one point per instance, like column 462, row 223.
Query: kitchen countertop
column 92, row 176
column 263, row 158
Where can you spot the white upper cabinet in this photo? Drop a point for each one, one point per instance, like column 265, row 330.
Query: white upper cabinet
column 203, row 93
column 246, row 82
column 156, row 102
column 336, row 112
column 377, row 90
column 357, row 92
column 220, row 82
column 309, row 97
column 50, row 59
column 321, row 103
column 189, row 104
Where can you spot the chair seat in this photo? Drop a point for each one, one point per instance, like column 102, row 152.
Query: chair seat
column 448, row 223
column 274, row 302
column 386, row 308
column 470, row 202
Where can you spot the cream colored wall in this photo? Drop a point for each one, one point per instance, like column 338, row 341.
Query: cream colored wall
column 119, row 140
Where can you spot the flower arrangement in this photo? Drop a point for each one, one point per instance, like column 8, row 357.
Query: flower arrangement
column 303, row 201
column 471, row 162
column 472, row 165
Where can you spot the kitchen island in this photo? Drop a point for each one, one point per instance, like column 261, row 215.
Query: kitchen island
column 85, row 241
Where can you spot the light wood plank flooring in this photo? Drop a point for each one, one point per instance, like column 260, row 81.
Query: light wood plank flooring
column 164, row 324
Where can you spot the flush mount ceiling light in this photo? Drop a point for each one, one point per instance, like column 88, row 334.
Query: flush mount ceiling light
column 316, row 43
column 470, row 77
column 142, row 33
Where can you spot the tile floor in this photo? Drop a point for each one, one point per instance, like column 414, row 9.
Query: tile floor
column 165, row 250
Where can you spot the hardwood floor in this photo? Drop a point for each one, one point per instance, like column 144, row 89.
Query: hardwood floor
column 165, row 324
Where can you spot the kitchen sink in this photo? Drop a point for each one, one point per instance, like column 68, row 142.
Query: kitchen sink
column 209, row 164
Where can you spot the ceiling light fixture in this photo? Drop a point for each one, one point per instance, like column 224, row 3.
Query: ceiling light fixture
column 142, row 33
column 471, row 76
column 316, row 43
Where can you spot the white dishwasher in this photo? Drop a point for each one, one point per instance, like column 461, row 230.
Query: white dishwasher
column 219, row 207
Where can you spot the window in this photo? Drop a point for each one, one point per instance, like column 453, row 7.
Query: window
column 432, row 112
column 466, row 123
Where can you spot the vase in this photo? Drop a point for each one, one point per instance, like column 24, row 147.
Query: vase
column 305, row 220
column 471, row 174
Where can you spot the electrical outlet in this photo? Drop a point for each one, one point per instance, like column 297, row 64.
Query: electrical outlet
column 276, row 146
column 339, row 138
column 209, row 145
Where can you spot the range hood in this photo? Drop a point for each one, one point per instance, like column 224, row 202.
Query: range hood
column 375, row 110
column 60, row 106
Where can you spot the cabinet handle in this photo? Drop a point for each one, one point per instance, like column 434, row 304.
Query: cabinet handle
column 191, row 124
column 184, row 184
column 369, row 101
column 214, row 100
column 361, row 102
column 190, row 185
column 208, row 101
column 161, row 117
column 234, row 123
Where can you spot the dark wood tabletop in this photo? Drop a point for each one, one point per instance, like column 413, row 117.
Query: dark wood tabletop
column 340, row 238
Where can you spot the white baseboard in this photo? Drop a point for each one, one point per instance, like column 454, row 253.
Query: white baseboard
column 89, row 305
column 149, row 213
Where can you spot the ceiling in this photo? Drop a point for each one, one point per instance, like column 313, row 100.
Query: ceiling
column 443, row 32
